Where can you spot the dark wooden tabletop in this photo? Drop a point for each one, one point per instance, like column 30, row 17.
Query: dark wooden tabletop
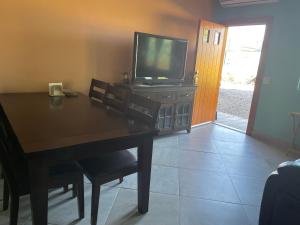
column 43, row 123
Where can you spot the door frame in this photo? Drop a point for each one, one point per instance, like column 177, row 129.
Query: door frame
column 268, row 21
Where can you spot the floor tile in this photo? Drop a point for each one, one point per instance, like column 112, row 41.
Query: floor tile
column 250, row 190
column 4, row 219
column 207, row 185
column 247, row 166
column 197, row 134
column 166, row 156
column 63, row 208
column 168, row 140
column 208, row 170
column 163, row 180
column 163, row 210
column 24, row 217
column 201, row 161
column 228, row 135
column 232, row 121
column 205, row 131
column 197, row 145
column 206, row 212
column 275, row 156
column 24, row 212
column 252, row 214
column 238, row 149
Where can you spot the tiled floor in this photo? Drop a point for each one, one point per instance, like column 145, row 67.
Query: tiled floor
column 232, row 121
column 212, row 176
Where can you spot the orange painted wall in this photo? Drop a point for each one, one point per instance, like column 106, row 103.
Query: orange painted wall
column 45, row 41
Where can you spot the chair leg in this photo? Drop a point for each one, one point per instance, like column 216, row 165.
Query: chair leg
column 74, row 190
column 121, row 179
column 5, row 195
column 80, row 198
column 14, row 210
column 95, row 203
column 66, row 188
column 1, row 174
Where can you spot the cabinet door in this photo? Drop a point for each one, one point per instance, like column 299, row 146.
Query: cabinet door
column 183, row 115
column 165, row 117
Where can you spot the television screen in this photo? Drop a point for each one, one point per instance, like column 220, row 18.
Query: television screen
column 159, row 59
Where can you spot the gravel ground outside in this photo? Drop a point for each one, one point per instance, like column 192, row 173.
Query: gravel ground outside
column 235, row 102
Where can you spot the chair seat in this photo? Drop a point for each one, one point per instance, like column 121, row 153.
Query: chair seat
column 58, row 176
column 119, row 162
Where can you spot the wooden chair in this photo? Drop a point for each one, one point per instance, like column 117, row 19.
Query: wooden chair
column 116, row 98
column 5, row 191
column 142, row 108
column 16, row 174
column 98, row 89
column 121, row 163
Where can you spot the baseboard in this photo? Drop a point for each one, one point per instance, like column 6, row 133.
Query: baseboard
column 271, row 141
column 262, row 137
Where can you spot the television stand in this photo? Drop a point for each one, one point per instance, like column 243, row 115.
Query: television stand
column 176, row 109
column 156, row 85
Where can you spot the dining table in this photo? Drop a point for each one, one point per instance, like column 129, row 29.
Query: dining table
column 55, row 130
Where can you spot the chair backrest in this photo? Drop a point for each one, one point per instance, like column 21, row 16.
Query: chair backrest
column 116, row 98
column 98, row 89
column 14, row 164
column 143, row 108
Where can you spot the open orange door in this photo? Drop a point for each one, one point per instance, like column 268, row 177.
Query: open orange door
column 210, row 55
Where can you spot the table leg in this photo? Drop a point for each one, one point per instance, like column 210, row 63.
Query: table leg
column 38, row 183
column 144, row 174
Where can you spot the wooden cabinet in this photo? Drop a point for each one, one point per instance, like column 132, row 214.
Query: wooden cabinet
column 165, row 121
column 183, row 116
column 176, row 104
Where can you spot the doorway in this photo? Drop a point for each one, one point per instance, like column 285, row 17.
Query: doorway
column 238, row 77
column 209, row 62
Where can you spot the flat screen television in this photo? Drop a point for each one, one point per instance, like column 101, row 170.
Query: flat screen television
column 158, row 59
